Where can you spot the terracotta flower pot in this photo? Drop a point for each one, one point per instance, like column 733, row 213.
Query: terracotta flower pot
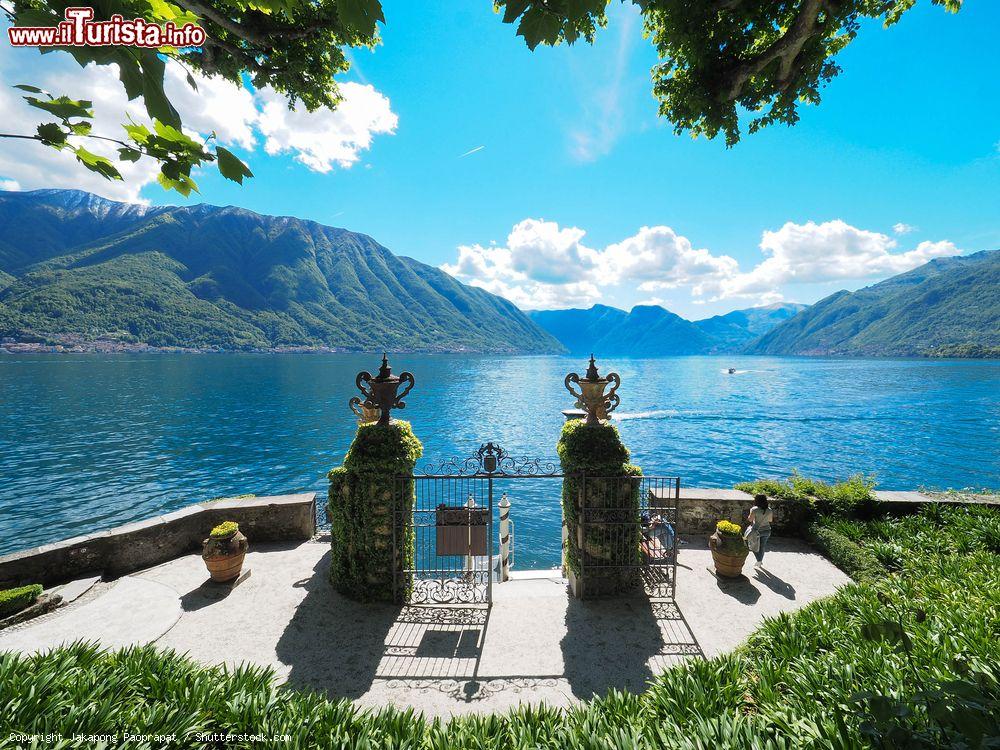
column 224, row 555
column 728, row 553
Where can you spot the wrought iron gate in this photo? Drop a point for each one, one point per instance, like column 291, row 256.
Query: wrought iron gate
column 628, row 534
column 443, row 538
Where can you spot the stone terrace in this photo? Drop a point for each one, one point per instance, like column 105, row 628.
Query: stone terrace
column 536, row 644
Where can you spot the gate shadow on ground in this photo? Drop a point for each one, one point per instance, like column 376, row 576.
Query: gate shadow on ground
column 623, row 643
column 333, row 644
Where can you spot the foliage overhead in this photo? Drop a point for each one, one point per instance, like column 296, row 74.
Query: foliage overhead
column 720, row 60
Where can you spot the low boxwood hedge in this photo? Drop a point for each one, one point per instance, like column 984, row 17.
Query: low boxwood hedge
column 13, row 601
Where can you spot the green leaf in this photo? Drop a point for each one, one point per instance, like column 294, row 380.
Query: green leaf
column 886, row 631
column 52, row 134
column 129, row 154
column 513, row 9
column 539, row 26
column 81, row 128
column 63, row 107
column 160, row 10
column 360, row 16
column 183, row 184
column 32, row 89
column 230, row 166
column 157, row 105
column 138, row 133
column 96, row 163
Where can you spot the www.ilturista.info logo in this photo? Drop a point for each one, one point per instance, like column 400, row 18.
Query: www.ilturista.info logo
column 80, row 30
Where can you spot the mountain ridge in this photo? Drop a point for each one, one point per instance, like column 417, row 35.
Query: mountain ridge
column 225, row 277
column 946, row 305
column 652, row 330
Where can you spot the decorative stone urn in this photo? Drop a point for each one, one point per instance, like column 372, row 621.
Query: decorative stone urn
column 591, row 396
column 729, row 551
column 365, row 413
column 382, row 392
column 224, row 551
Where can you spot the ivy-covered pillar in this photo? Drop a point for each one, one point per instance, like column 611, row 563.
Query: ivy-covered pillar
column 370, row 497
column 600, row 497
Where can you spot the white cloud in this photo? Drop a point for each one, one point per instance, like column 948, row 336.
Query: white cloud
column 901, row 228
column 543, row 265
column 831, row 251
column 326, row 137
column 11, row 185
column 236, row 115
column 603, row 120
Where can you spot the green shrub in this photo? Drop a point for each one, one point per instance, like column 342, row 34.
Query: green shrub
column 849, row 556
column 852, row 498
column 597, row 452
column 367, row 499
column 13, row 601
column 224, row 529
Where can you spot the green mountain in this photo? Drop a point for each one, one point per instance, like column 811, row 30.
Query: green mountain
column 947, row 307
column 73, row 265
column 652, row 331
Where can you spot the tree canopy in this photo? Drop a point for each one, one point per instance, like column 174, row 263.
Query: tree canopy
column 725, row 65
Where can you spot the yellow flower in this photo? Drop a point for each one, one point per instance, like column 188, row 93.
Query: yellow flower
column 728, row 527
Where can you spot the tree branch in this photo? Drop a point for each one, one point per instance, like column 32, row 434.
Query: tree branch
column 248, row 34
column 786, row 48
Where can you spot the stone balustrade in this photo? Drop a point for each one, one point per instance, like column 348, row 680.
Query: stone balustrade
column 116, row 552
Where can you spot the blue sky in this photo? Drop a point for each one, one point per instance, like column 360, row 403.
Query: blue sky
column 568, row 139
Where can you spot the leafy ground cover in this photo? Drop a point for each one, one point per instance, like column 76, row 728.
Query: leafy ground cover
column 906, row 657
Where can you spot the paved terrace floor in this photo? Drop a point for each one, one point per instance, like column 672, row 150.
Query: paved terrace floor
column 536, row 644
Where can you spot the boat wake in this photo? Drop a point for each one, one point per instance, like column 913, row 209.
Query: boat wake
column 654, row 414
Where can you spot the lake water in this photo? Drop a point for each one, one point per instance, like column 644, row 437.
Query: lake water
column 93, row 441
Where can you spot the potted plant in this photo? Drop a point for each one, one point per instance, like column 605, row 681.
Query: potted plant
column 729, row 551
column 223, row 552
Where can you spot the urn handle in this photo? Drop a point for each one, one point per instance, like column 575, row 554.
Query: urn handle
column 573, row 378
column 404, row 377
column 355, row 406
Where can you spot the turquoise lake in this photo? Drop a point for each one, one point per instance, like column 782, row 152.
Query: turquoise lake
column 92, row 441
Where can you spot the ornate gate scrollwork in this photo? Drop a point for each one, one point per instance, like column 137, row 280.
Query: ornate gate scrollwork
column 493, row 461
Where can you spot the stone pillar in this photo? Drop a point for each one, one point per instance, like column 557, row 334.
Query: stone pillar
column 602, row 543
column 370, row 503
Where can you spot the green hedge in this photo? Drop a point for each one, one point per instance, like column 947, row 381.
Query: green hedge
column 595, row 461
column 853, row 498
column 14, row 600
column 859, row 563
column 366, row 499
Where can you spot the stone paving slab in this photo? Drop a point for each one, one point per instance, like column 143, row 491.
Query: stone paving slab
column 535, row 644
column 135, row 611
column 73, row 590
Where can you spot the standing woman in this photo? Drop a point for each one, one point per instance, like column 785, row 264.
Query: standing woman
column 760, row 519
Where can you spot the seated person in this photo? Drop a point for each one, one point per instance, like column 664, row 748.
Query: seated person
column 658, row 536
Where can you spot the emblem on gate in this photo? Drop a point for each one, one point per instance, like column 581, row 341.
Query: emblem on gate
column 490, row 456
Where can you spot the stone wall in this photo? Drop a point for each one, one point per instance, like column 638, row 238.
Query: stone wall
column 701, row 509
column 139, row 545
